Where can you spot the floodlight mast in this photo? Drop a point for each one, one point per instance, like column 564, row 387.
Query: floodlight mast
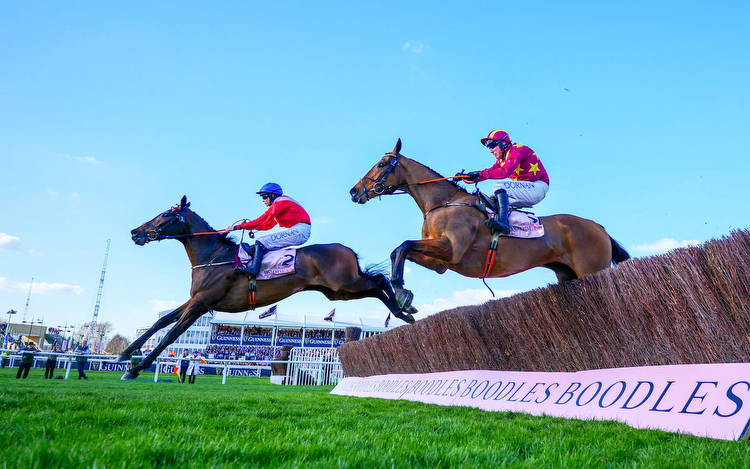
column 28, row 298
column 92, row 325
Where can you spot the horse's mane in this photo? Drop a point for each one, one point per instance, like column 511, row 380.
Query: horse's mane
column 438, row 175
column 224, row 238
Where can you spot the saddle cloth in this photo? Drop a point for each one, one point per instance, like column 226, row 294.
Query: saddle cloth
column 523, row 224
column 275, row 264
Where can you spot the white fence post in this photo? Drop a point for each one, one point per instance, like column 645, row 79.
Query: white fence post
column 67, row 369
column 156, row 374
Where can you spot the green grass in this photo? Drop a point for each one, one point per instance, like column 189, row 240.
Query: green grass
column 248, row 422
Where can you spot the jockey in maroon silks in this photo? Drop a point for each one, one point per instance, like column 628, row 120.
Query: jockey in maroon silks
column 282, row 210
column 522, row 180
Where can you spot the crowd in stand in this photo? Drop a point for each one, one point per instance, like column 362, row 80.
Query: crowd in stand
column 228, row 330
column 240, row 352
column 283, row 332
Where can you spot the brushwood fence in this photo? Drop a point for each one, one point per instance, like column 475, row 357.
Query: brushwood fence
column 689, row 306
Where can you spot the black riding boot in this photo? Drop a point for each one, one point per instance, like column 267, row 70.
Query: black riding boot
column 258, row 252
column 499, row 222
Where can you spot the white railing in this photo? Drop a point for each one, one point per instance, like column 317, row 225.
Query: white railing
column 313, row 367
column 307, row 366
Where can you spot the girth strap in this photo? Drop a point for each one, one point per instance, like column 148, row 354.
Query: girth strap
column 251, row 294
column 491, row 253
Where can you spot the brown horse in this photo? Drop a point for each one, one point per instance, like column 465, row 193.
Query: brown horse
column 331, row 269
column 454, row 236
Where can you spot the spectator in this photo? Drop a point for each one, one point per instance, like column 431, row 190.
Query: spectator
column 82, row 351
column 49, row 369
column 27, row 359
column 184, row 362
column 194, row 367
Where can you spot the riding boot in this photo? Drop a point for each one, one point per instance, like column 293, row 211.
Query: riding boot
column 258, row 252
column 499, row 222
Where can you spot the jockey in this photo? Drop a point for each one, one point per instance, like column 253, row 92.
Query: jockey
column 287, row 213
column 522, row 180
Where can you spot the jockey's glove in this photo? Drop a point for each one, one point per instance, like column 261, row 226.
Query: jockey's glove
column 472, row 176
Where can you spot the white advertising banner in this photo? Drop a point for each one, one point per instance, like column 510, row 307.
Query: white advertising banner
column 711, row 400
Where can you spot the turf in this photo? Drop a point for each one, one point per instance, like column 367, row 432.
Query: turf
column 248, row 422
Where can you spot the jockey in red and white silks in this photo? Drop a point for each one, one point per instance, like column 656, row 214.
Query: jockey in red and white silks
column 284, row 211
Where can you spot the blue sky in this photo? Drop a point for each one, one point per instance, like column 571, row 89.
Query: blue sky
column 110, row 113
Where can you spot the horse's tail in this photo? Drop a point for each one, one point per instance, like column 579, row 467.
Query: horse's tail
column 619, row 254
column 381, row 269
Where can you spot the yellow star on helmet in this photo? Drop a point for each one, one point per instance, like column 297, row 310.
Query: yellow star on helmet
column 534, row 168
column 518, row 170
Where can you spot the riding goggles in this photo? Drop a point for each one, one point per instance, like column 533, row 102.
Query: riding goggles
column 490, row 144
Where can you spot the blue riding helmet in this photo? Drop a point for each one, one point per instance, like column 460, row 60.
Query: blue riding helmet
column 270, row 188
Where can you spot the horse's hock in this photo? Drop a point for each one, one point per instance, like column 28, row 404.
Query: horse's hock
column 689, row 306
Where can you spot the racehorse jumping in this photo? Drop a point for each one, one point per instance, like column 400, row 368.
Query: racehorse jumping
column 455, row 237
column 331, row 269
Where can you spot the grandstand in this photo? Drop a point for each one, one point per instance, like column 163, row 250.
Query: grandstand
column 237, row 336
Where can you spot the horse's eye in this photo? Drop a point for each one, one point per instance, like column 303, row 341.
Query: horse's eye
column 382, row 164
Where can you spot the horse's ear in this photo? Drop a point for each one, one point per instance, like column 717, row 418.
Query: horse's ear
column 397, row 148
column 183, row 202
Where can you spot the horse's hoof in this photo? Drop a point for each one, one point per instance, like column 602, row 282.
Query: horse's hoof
column 409, row 318
column 129, row 375
column 404, row 298
column 411, row 310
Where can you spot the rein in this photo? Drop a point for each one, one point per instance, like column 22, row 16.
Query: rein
column 379, row 188
column 156, row 235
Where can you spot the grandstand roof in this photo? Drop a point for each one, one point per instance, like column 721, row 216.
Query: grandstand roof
column 250, row 318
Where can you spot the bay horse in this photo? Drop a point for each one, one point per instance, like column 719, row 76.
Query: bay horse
column 332, row 269
column 455, row 237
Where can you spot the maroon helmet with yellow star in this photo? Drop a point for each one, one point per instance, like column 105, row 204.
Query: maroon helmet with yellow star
column 498, row 135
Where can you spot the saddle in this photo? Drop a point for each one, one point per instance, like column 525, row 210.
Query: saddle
column 523, row 223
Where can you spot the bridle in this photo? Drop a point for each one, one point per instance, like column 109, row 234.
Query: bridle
column 156, row 233
column 379, row 187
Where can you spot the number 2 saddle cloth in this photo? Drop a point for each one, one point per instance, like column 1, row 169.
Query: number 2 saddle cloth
column 275, row 264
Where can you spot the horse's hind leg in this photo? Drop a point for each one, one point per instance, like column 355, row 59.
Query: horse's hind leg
column 193, row 309
column 389, row 299
column 366, row 286
column 160, row 324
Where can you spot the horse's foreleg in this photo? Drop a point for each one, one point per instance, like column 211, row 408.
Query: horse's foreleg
column 192, row 311
column 427, row 252
column 428, row 262
column 164, row 321
column 439, row 249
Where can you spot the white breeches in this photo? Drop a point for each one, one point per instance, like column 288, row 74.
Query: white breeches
column 522, row 193
column 294, row 236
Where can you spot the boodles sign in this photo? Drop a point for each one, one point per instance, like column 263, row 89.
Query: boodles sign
column 711, row 400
